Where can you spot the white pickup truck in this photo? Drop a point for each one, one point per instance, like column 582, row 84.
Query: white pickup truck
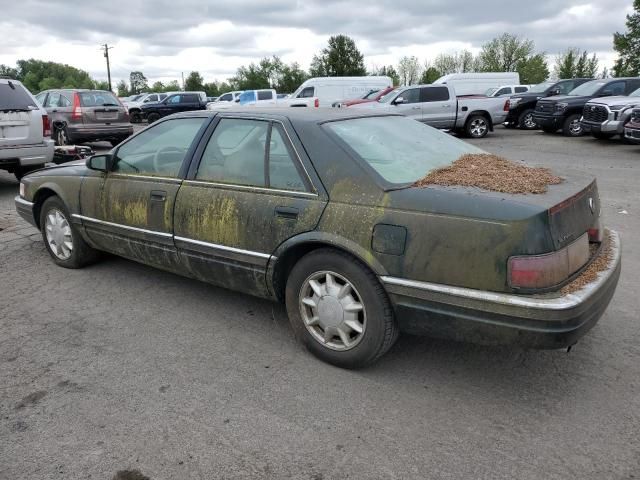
column 438, row 106
column 266, row 97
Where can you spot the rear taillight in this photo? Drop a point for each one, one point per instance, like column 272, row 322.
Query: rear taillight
column 46, row 126
column 507, row 106
column 549, row 269
column 76, row 113
column 316, row 103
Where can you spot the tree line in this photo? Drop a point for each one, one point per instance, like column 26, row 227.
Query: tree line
column 341, row 57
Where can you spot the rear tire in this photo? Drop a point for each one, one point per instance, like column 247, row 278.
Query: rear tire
column 153, row 117
column 352, row 300
column 477, row 126
column 135, row 117
column 572, row 126
column 61, row 237
column 526, row 121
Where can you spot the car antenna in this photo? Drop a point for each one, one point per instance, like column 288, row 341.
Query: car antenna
column 11, row 85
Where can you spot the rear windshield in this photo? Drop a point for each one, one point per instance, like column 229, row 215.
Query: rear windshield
column 399, row 149
column 98, row 99
column 15, row 98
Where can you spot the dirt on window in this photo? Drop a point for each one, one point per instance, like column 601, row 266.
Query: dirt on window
column 491, row 172
column 590, row 274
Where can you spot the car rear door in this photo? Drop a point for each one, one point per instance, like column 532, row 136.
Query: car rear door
column 438, row 110
column 20, row 116
column 129, row 210
column 250, row 188
column 101, row 108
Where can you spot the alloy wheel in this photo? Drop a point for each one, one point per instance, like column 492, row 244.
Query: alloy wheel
column 58, row 234
column 529, row 122
column 478, row 127
column 332, row 310
column 575, row 127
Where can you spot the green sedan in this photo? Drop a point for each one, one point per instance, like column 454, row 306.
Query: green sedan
column 318, row 209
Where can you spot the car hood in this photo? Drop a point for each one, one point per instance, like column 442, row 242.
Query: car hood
column 570, row 99
column 619, row 100
column 70, row 169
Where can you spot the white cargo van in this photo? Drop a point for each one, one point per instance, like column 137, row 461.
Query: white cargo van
column 478, row 83
column 326, row 91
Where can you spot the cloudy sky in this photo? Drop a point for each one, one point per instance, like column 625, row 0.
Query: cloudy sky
column 164, row 38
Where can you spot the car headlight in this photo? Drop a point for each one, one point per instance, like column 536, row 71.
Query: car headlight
column 616, row 108
column 513, row 102
column 561, row 107
column 22, row 190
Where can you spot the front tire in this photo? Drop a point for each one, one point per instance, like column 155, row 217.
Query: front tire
column 477, row 126
column 526, row 121
column 572, row 126
column 153, row 117
column 135, row 117
column 61, row 237
column 339, row 310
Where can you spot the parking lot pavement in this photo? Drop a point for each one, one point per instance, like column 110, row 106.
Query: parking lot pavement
column 123, row 367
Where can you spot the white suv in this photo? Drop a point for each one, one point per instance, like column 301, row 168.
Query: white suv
column 25, row 132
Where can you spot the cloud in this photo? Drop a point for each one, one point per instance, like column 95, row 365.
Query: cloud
column 164, row 38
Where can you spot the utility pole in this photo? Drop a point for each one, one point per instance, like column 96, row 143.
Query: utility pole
column 106, row 48
column 182, row 73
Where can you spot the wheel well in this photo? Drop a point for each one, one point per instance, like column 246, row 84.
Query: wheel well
column 482, row 113
column 291, row 256
column 134, row 109
column 38, row 200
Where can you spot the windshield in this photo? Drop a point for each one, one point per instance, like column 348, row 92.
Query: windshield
column 98, row 99
column 490, row 92
column 391, row 95
column 399, row 149
column 586, row 89
column 13, row 96
column 541, row 87
column 371, row 94
column 635, row 93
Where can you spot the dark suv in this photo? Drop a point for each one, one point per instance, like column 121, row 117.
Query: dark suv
column 79, row 116
column 522, row 106
column 565, row 112
column 178, row 102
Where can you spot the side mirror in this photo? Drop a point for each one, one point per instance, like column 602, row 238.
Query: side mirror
column 399, row 100
column 101, row 163
column 555, row 92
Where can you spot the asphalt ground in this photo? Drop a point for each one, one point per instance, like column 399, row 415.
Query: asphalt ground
column 122, row 367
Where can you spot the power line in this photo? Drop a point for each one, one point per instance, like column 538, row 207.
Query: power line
column 106, row 49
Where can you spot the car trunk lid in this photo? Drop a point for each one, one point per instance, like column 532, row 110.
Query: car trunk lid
column 101, row 108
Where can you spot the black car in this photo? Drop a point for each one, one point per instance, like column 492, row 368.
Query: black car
column 522, row 105
column 176, row 103
column 565, row 112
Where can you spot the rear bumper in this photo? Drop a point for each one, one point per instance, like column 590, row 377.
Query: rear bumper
column 531, row 321
column 25, row 210
column 26, row 155
column 88, row 133
column 608, row 126
column 549, row 121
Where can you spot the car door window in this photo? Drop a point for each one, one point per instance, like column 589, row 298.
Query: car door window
column 566, row 87
column 411, row 95
column 41, row 98
column 235, row 153
column 265, row 95
column 503, row 91
column 53, row 100
column 615, row 88
column 152, row 98
column 159, row 150
column 307, row 92
column 64, row 101
column 521, row 89
column 284, row 173
column 227, row 97
column 175, row 99
column 434, row 94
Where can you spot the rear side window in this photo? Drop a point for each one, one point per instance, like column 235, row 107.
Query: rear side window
column 283, row 173
column 189, row 98
column 98, row 99
column 434, row 94
column 307, row 92
column 265, row 95
column 615, row 88
column 15, row 97
column 503, row 91
column 521, row 89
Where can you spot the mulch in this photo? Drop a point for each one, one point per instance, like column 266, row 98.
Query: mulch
column 491, row 172
column 590, row 274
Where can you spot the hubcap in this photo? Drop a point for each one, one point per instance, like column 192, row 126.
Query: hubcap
column 332, row 310
column 58, row 233
column 575, row 127
column 478, row 127
column 528, row 121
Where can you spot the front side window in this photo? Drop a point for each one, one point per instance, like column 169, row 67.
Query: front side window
column 503, row 91
column 411, row 95
column 399, row 149
column 159, row 150
column 307, row 92
column 41, row 97
column 174, row 100
column 615, row 88
column 227, row 97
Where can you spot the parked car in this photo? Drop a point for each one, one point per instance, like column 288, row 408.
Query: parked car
column 212, row 99
column 565, row 112
column 80, row 115
column 327, row 91
column 503, row 90
column 324, row 217
column 522, row 107
column 605, row 118
column 372, row 96
column 478, row 83
column 438, row 106
column 283, row 95
column 174, row 103
column 135, row 113
column 632, row 128
column 229, row 96
column 256, row 98
column 24, row 130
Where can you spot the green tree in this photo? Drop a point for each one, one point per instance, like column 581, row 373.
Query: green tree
column 38, row 75
column 292, row 76
column 194, row 82
column 172, row 86
column 10, row 72
column 409, row 70
column 340, row 58
column 533, row 70
column 122, row 89
column 158, row 87
column 101, row 85
column 430, row 75
column 138, row 82
column 503, row 53
column 573, row 63
column 627, row 45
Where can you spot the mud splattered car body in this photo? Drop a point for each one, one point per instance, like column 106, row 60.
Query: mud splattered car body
column 440, row 257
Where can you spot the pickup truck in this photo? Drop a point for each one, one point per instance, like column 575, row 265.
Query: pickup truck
column 438, row 106
column 565, row 112
column 174, row 103
column 605, row 118
column 266, row 97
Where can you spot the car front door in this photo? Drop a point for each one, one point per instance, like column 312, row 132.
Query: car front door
column 438, row 110
column 249, row 189
column 408, row 103
column 129, row 210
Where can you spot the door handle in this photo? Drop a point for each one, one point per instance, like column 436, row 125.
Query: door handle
column 416, row 108
column 446, row 106
column 158, row 195
column 287, row 212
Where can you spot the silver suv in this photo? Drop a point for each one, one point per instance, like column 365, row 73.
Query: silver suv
column 79, row 116
column 24, row 130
